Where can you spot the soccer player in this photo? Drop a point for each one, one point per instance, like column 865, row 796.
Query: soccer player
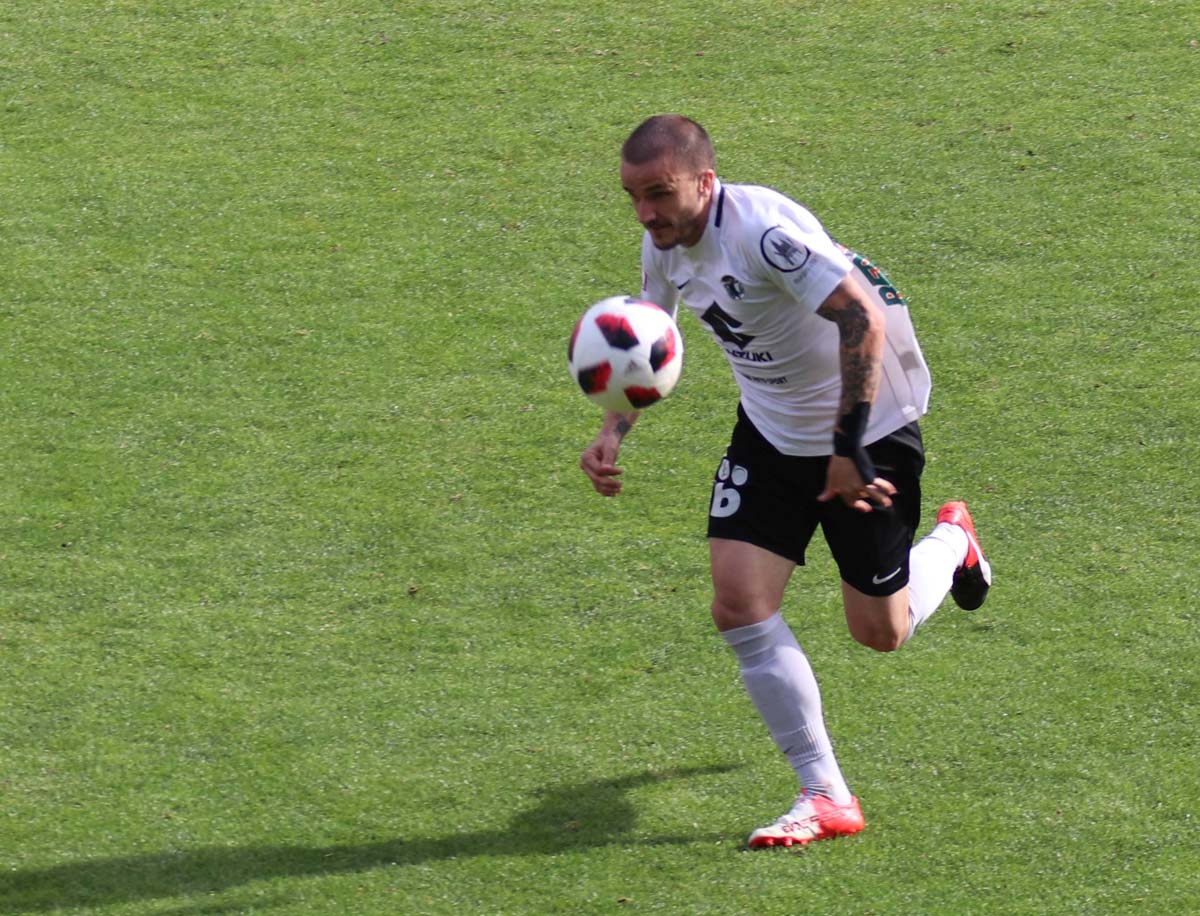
column 832, row 382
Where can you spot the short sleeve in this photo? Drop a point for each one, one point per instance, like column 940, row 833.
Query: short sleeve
column 802, row 260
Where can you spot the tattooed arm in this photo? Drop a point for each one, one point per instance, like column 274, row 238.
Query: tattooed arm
column 599, row 460
column 861, row 327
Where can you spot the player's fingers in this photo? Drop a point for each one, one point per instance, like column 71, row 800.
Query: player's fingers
column 607, row 486
column 879, row 498
column 853, row 500
column 884, row 486
column 602, row 476
column 594, row 462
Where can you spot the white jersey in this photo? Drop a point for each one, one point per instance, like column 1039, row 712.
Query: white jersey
column 755, row 279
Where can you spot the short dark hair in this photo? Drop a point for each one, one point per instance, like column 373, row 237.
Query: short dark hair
column 670, row 135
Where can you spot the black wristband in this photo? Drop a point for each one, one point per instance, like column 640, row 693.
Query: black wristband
column 850, row 429
column 848, row 439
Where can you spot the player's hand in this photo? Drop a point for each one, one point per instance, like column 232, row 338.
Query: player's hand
column 842, row 481
column 599, row 462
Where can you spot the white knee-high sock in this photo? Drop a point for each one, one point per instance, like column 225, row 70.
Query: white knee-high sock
column 931, row 565
column 784, row 690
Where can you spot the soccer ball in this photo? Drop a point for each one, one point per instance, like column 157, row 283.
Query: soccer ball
column 625, row 354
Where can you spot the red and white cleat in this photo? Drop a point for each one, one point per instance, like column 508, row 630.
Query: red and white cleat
column 974, row 577
column 813, row 817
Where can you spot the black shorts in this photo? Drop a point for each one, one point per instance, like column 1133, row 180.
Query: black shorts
column 770, row 500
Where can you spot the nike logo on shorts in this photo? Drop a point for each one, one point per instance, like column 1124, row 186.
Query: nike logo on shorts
column 879, row 580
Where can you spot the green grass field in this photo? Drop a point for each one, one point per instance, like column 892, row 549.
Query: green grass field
column 305, row 607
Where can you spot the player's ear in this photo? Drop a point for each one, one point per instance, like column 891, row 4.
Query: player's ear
column 707, row 177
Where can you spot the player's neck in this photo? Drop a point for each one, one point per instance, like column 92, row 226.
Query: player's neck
column 697, row 236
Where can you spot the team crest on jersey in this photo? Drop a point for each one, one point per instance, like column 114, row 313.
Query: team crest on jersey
column 783, row 252
column 733, row 286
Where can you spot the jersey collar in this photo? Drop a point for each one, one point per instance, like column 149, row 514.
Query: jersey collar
column 716, row 212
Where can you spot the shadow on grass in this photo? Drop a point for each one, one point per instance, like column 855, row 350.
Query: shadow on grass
column 571, row 817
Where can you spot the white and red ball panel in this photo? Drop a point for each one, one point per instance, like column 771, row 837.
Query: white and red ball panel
column 625, row 354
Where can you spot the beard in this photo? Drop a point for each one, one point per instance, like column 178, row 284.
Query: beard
column 679, row 232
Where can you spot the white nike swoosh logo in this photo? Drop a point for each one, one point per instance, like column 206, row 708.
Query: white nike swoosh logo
column 878, row 580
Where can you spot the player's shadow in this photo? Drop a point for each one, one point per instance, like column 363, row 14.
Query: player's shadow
column 578, row 816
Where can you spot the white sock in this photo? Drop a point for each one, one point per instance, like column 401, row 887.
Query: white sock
column 931, row 566
column 784, row 690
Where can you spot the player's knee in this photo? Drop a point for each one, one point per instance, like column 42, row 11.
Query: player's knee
column 726, row 615
column 879, row 623
column 886, row 643
column 881, row 639
column 729, row 614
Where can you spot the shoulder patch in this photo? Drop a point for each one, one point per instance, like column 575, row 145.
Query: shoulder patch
column 783, row 252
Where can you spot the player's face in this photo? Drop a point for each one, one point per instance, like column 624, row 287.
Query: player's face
column 671, row 202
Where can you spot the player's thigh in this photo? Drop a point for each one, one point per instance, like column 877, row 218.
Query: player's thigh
column 872, row 548
column 748, row 582
column 763, row 498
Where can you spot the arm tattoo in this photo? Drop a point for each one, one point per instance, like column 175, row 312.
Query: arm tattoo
column 859, row 379
column 860, row 364
column 852, row 322
column 624, row 425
